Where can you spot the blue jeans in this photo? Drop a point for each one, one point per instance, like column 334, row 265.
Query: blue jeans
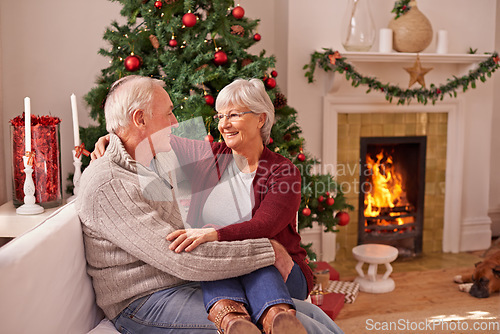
column 180, row 310
column 257, row 290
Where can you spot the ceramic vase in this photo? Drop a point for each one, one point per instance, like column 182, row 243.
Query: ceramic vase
column 412, row 31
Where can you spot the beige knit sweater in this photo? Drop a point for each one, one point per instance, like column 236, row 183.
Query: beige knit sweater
column 126, row 212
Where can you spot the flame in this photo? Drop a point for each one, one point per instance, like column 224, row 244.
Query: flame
column 386, row 188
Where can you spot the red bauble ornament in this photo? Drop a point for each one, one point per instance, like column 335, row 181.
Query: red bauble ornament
column 274, row 73
column 238, row 12
column 158, row 4
column 343, row 218
column 270, row 83
column 189, row 19
column 270, row 140
column 132, row 63
column 220, row 58
column 172, row 42
column 257, row 37
column 209, row 138
column 330, row 201
column 301, row 157
column 209, row 99
column 306, row 211
column 321, row 199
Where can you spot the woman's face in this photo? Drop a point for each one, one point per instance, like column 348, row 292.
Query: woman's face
column 241, row 133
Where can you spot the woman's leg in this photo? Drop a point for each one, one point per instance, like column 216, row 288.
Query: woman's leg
column 230, row 288
column 176, row 310
column 227, row 306
column 265, row 287
column 296, row 283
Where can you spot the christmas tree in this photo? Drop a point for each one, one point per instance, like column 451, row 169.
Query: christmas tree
column 197, row 48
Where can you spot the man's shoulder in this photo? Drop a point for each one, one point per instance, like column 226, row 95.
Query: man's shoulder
column 98, row 173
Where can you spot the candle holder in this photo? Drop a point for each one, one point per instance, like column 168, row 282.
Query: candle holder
column 45, row 171
column 77, row 162
column 29, row 207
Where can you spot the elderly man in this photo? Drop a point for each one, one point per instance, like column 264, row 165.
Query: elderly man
column 127, row 209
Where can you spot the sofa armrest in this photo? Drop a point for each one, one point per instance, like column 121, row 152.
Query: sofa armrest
column 44, row 286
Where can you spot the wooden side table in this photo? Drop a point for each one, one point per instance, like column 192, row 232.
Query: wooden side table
column 13, row 225
column 375, row 254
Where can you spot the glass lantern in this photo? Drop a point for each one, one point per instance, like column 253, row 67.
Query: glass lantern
column 45, row 143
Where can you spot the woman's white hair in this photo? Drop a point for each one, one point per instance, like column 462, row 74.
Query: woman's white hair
column 249, row 94
column 127, row 95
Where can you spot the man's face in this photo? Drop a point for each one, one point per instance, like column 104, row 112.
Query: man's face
column 159, row 125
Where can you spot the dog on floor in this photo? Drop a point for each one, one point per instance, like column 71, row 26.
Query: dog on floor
column 485, row 279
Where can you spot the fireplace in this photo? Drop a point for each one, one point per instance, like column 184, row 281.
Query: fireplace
column 392, row 189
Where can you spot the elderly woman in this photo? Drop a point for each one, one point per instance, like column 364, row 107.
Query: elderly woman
column 256, row 196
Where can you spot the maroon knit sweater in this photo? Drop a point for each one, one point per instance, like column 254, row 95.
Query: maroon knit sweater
column 277, row 191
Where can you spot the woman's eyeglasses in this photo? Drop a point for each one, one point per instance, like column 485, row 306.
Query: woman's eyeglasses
column 232, row 117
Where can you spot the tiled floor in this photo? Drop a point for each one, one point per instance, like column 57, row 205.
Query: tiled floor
column 345, row 263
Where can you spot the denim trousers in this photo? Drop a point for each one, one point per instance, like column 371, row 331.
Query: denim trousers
column 258, row 290
column 180, row 310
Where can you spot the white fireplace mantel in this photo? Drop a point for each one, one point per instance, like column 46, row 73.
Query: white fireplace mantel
column 400, row 57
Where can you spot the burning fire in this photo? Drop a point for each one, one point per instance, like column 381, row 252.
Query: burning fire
column 386, row 194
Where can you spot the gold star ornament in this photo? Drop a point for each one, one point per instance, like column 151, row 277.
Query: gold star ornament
column 417, row 73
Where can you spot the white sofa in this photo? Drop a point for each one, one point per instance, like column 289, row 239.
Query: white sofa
column 44, row 287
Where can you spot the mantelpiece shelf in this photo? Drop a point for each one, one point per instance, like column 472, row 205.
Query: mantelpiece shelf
column 402, row 57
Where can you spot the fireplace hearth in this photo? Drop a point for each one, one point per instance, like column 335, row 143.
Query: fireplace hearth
column 392, row 189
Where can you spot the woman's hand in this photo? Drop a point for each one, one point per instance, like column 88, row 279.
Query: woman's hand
column 191, row 238
column 283, row 261
column 100, row 147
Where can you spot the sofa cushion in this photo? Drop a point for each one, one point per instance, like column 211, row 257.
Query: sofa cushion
column 104, row 327
column 44, row 286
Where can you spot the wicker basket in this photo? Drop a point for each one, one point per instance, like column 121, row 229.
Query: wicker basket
column 412, row 31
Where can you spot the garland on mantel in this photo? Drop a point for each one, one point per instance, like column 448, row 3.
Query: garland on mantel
column 332, row 61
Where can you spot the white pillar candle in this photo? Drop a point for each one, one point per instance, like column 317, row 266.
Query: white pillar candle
column 76, row 128
column 27, row 123
column 442, row 42
column 385, row 40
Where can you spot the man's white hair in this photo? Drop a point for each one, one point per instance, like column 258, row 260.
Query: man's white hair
column 127, row 95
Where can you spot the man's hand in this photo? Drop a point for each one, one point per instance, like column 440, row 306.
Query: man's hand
column 100, row 147
column 191, row 238
column 283, row 262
